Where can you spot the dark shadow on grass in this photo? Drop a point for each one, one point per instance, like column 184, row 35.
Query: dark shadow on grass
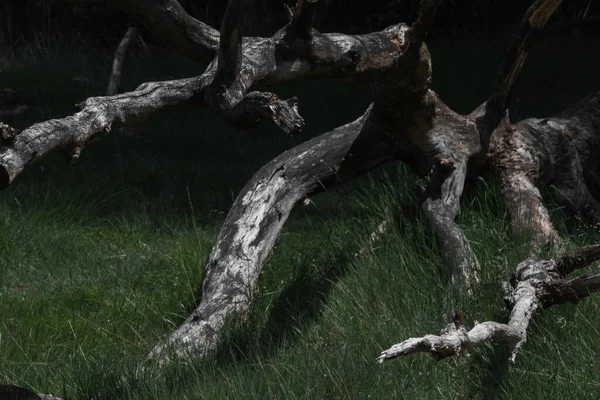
column 493, row 373
column 489, row 369
column 298, row 306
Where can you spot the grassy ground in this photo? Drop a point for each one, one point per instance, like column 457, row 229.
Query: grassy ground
column 100, row 259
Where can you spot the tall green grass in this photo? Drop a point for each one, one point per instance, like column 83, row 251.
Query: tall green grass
column 100, row 259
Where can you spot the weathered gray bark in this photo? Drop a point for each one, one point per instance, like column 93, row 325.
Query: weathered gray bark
column 534, row 282
column 406, row 121
column 171, row 25
column 98, row 116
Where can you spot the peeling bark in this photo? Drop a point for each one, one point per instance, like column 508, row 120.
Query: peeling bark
column 253, row 225
column 533, row 282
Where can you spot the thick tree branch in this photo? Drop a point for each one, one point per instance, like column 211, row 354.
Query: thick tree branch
column 255, row 220
column 533, row 282
column 441, row 209
column 264, row 62
column 98, row 116
column 170, row 24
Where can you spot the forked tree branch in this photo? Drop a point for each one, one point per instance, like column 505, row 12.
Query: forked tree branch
column 533, row 282
column 264, row 61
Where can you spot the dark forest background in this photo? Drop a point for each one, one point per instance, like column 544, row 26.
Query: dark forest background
column 22, row 20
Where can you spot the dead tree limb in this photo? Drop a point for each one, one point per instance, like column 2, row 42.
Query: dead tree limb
column 405, row 113
column 114, row 81
column 406, row 121
column 171, row 25
column 254, row 222
column 264, row 61
column 98, row 116
column 534, row 282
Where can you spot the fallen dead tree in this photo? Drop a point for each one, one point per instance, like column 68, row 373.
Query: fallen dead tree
column 406, row 122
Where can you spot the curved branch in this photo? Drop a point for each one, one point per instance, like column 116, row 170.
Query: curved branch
column 97, row 117
column 255, row 221
column 264, row 62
